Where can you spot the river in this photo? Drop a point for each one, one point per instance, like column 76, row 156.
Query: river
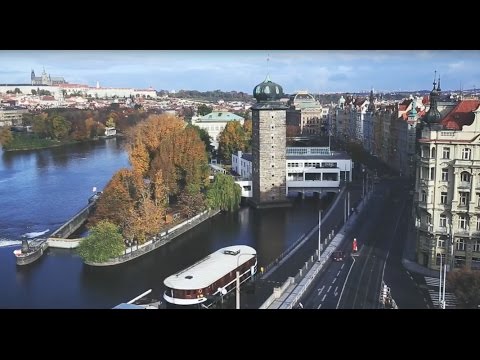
column 41, row 189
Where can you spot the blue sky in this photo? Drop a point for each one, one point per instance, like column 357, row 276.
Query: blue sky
column 240, row 70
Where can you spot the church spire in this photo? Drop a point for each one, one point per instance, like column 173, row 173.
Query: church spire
column 438, row 86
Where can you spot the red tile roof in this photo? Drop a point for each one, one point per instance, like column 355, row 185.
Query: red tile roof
column 462, row 114
column 426, row 100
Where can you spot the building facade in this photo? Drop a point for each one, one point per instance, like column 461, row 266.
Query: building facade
column 308, row 169
column 11, row 116
column 215, row 122
column 447, row 189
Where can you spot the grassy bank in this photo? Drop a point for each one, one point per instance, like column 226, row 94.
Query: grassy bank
column 25, row 141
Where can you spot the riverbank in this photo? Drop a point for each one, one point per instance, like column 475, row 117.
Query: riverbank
column 24, row 142
column 159, row 240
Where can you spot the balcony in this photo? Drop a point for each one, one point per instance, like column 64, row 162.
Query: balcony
column 464, row 185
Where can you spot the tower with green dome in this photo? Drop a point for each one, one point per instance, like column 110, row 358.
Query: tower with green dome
column 269, row 146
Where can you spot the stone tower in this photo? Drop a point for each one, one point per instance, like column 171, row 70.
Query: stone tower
column 268, row 146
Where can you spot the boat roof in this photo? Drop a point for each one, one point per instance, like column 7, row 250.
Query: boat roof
column 128, row 306
column 211, row 268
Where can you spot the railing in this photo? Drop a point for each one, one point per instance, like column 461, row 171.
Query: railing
column 158, row 240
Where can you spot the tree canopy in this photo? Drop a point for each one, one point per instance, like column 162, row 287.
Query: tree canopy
column 230, row 140
column 465, row 284
column 104, row 242
column 224, row 193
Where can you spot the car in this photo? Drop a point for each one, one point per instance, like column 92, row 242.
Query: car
column 338, row 256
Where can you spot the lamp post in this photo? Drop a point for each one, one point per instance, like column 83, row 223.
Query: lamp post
column 363, row 182
column 237, row 302
column 319, row 233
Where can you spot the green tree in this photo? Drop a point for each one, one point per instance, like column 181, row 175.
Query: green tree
column 34, row 92
column 60, row 127
column 104, row 242
column 6, row 137
column 17, row 91
column 224, row 193
column 204, row 110
column 465, row 284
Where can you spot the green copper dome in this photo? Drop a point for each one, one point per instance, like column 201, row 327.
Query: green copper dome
column 267, row 91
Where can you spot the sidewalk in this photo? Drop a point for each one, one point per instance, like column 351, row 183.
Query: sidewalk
column 409, row 256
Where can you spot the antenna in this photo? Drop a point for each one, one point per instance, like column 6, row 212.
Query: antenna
column 268, row 61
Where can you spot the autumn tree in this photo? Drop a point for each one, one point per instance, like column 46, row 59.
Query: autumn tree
column 230, row 140
column 191, row 202
column 117, row 201
column 465, row 284
column 104, row 242
column 6, row 137
column 247, row 128
column 224, row 193
column 204, row 136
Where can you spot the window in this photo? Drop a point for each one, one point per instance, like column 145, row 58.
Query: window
column 443, row 198
column 446, row 153
column 462, row 222
column 466, row 154
column 441, row 243
column 478, row 199
column 463, row 198
column 432, row 173
column 424, row 196
column 478, row 223
column 476, row 246
column 433, row 152
column 443, row 221
column 465, row 176
column 445, row 174
column 460, row 244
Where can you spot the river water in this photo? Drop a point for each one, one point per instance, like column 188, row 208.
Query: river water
column 41, row 189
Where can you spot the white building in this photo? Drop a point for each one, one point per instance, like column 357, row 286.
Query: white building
column 10, row 116
column 309, row 169
column 447, row 189
column 215, row 122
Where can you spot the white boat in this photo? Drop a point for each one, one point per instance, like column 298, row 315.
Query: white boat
column 211, row 277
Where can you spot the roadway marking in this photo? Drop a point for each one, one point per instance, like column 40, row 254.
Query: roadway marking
column 319, row 306
column 411, row 277
column 345, row 282
column 335, row 292
column 342, row 266
column 324, row 296
column 334, row 280
column 329, row 288
column 338, row 273
column 320, row 290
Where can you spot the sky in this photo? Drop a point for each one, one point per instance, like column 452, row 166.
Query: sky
column 317, row 71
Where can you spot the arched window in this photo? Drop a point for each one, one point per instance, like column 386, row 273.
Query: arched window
column 433, row 152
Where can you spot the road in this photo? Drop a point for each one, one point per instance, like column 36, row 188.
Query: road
column 381, row 232
column 263, row 286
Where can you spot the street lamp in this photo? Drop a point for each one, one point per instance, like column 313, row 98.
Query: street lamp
column 319, row 233
column 363, row 182
column 252, row 271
